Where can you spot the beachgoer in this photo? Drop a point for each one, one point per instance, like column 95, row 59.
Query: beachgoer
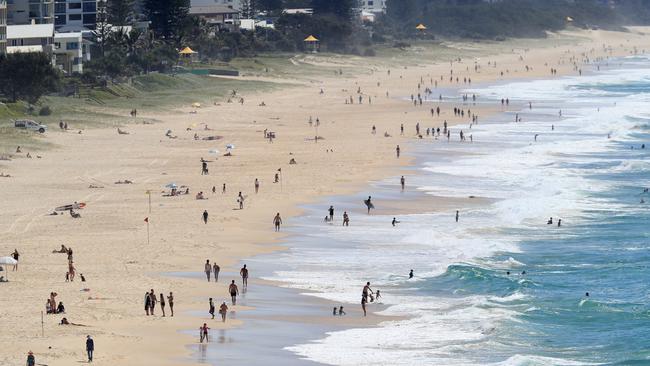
column 90, row 348
column 223, row 189
column 203, row 332
column 363, row 305
column 559, row 222
column 402, row 182
column 550, row 221
column 331, row 213
column 367, row 291
column 208, row 269
column 346, row 219
column 341, row 312
column 152, row 300
column 411, row 274
column 170, row 300
column 257, row 185
column 277, row 221
column 223, row 310
column 31, row 360
column 244, row 276
column 334, row 311
column 15, row 255
column 216, row 269
column 457, row 214
column 395, row 222
column 369, row 204
column 397, row 151
column 211, row 310
column 147, row 303
column 234, row 291
column 377, row 295
column 205, row 216
column 240, row 200
column 162, row 303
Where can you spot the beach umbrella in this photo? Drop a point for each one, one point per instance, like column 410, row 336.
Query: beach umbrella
column 230, row 146
column 421, row 27
column 172, row 185
column 5, row 261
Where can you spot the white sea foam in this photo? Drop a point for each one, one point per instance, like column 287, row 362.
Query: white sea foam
column 529, row 181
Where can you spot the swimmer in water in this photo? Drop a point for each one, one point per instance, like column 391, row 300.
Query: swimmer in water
column 550, row 221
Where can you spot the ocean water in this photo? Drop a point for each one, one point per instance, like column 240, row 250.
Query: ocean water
column 586, row 168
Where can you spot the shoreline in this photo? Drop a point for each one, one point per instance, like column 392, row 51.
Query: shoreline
column 166, row 160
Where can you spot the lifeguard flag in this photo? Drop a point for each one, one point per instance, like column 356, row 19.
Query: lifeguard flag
column 146, row 219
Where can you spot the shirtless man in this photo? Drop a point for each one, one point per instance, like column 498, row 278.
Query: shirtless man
column 216, row 269
column 277, row 221
column 366, row 290
column 208, row 269
column 223, row 310
column 234, row 291
column 244, row 276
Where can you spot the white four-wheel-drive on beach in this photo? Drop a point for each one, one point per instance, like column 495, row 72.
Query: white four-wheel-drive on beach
column 30, row 125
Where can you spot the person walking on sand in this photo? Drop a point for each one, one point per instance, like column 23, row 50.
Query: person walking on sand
column 203, row 333
column 170, row 300
column 244, row 276
column 397, row 151
column 402, row 182
column 346, row 219
column 223, row 310
column 90, row 348
column 162, row 303
column 31, row 360
column 208, row 269
column 257, row 185
column 205, row 216
column 277, row 221
column 223, row 189
column 240, row 200
column 211, row 310
column 234, row 291
column 216, row 269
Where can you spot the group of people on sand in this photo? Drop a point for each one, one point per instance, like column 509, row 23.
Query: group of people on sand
column 51, row 306
column 151, row 299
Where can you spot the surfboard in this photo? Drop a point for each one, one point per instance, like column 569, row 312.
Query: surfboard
column 74, row 206
column 368, row 204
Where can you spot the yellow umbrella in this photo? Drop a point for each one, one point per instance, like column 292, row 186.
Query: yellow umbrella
column 421, row 27
column 186, row 51
column 311, row 39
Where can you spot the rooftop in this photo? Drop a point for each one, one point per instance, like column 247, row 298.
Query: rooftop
column 30, row 31
column 212, row 9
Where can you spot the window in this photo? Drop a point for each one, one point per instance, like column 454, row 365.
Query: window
column 76, row 61
column 59, row 19
column 59, row 8
column 57, row 45
column 90, row 19
column 72, row 46
column 74, row 6
column 73, row 17
column 90, row 7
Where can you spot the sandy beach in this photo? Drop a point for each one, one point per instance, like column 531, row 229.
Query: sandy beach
column 110, row 239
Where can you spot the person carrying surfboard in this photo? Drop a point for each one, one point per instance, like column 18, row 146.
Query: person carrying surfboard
column 369, row 204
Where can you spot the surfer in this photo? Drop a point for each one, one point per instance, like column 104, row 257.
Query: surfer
column 369, row 204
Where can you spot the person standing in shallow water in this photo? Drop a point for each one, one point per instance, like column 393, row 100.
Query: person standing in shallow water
column 234, row 291
column 457, row 215
column 402, row 182
column 277, row 221
column 397, row 151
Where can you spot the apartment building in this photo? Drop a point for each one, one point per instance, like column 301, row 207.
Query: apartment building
column 75, row 15
column 30, row 12
column 30, row 38
column 232, row 4
column 373, row 6
column 3, row 27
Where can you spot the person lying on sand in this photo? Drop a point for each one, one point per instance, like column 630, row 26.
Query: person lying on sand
column 126, row 181
column 3, row 175
column 65, row 321
column 121, row 132
column 199, row 196
column 74, row 214
column 94, row 186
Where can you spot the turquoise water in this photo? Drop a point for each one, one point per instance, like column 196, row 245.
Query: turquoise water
column 501, row 287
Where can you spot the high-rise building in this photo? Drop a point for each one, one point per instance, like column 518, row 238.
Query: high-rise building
column 3, row 26
column 30, row 11
column 75, row 15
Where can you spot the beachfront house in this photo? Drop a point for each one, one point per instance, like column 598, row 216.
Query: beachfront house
column 221, row 17
column 30, row 38
column 3, row 27
column 71, row 50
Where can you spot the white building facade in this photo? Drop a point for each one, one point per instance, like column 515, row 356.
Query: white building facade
column 233, row 4
column 30, row 38
column 373, row 6
column 70, row 52
column 30, row 11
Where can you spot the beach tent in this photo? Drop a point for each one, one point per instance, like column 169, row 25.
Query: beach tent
column 7, row 261
column 312, row 43
column 187, row 51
